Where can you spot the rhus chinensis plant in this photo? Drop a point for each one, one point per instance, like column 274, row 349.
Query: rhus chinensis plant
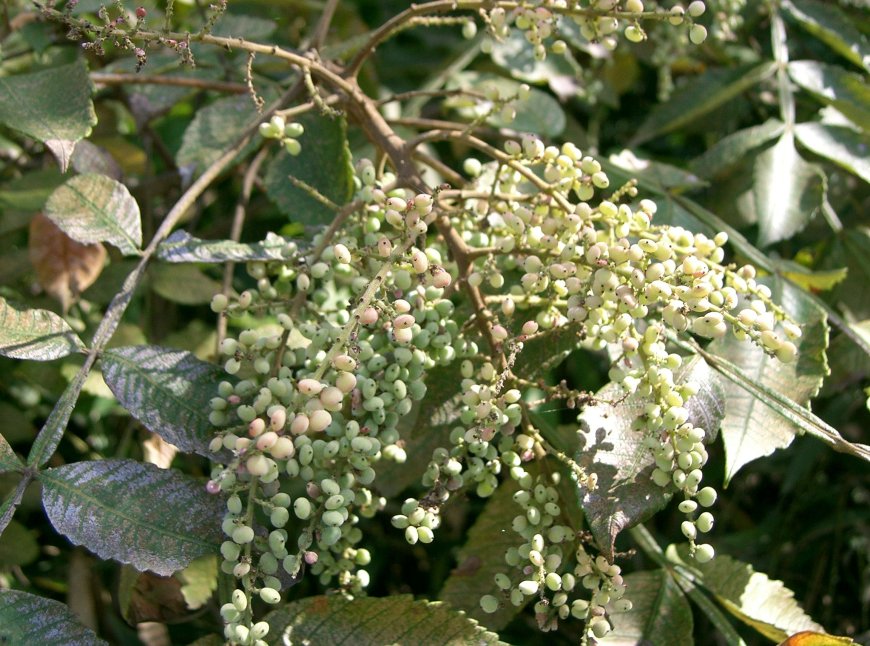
column 391, row 355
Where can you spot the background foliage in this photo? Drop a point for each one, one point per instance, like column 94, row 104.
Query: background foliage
column 761, row 132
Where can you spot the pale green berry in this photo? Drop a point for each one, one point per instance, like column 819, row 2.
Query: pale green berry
column 704, row 553
column 698, row 34
column 243, row 534
column 529, row 587
column 696, row 8
column 704, row 523
column 489, row 603
column 706, row 497
column 270, row 595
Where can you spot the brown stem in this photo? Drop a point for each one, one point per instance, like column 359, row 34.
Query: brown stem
column 106, row 78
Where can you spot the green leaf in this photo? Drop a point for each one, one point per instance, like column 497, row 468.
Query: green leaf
column 185, row 284
column 660, row 613
column 29, row 619
column 368, row 621
column 52, row 106
column 30, row 191
column 8, row 460
column 547, row 350
column 539, row 113
column 96, row 208
column 167, row 390
column 832, row 85
column 325, row 164
column 482, row 557
column 200, row 581
column 758, row 601
column 17, row 545
column 52, row 430
column 213, row 129
column 733, row 149
column 787, row 191
column 843, row 146
column 700, row 96
column 133, row 512
column 183, row 247
column 814, row 281
column 625, row 494
column 751, row 429
column 825, row 21
column 664, row 177
column 851, row 248
column 38, row 335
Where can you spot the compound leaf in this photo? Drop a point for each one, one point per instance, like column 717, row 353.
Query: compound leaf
column 660, row 613
column 38, row 335
column 95, row 208
column 751, row 429
column 610, row 449
column 825, row 21
column 368, row 621
column 733, row 149
column 763, row 603
column 324, row 165
column 832, row 85
column 839, row 144
column 29, row 619
column 167, row 390
column 8, row 460
column 52, row 106
column 183, row 247
column 154, row 519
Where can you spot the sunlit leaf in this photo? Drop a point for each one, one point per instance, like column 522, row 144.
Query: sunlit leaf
column 817, row 281
column 787, row 191
column 610, row 449
column 810, row 638
column 335, row 619
column 167, row 390
column 64, row 267
column 699, row 97
column 51, row 105
column 843, row 146
column 200, row 580
column 763, row 603
column 96, row 208
column 825, row 21
column 482, row 557
column 183, row 247
column 733, row 149
column 324, row 164
column 154, row 519
column 29, row 619
column 8, row 460
column 660, row 613
column 38, row 335
column 751, row 429
column 833, row 85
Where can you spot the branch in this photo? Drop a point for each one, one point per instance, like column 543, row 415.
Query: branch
column 105, row 78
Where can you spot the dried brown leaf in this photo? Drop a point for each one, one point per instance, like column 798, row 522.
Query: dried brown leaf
column 64, row 267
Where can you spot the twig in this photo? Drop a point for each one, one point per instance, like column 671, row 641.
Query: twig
column 106, row 78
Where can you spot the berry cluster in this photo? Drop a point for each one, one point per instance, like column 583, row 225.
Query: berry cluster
column 287, row 133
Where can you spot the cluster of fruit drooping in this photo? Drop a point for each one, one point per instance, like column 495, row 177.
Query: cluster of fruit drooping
column 599, row 21
column 348, row 329
column 286, row 133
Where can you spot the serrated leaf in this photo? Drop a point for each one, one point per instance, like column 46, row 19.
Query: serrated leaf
column 154, row 519
column 843, row 146
column 660, row 613
column 832, row 85
column 625, row 494
column 368, row 621
column 751, row 429
column 826, row 22
column 65, row 268
column 213, row 129
column 482, row 557
column 183, row 247
column 167, row 390
column 817, row 281
column 8, row 460
column 96, row 208
column 325, row 164
column 52, row 106
column 733, row 149
column 758, row 601
column 539, row 113
column 18, row 546
column 547, row 350
column 199, row 581
column 787, row 191
column 29, row 619
column 700, row 96
column 185, row 284
column 38, row 335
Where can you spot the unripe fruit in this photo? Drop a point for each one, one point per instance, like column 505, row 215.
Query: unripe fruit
column 698, row 34
column 706, row 497
column 243, row 534
column 696, row 8
column 270, row 595
column 489, row 603
column 704, row 553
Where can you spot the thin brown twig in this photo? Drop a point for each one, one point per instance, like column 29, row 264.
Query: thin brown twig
column 106, row 78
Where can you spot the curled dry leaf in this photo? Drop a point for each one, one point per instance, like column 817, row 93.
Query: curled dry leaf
column 64, row 267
